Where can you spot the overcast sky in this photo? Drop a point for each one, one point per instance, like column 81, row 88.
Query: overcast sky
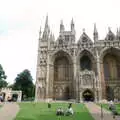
column 20, row 21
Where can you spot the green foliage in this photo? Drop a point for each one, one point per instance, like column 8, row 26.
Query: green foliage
column 3, row 83
column 40, row 111
column 2, row 73
column 23, row 82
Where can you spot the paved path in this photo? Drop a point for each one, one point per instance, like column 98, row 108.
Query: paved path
column 95, row 111
column 8, row 111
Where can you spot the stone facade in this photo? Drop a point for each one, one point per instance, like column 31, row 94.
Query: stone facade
column 83, row 70
column 8, row 93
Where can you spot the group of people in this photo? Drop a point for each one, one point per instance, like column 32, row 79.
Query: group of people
column 61, row 112
column 2, row 99
column 69, row 111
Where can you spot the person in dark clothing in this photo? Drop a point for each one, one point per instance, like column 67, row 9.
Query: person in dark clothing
column 49, row 105
column 112, row 107
column 70, row 105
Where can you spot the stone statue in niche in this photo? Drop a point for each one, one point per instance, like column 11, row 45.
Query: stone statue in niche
column 86, row 79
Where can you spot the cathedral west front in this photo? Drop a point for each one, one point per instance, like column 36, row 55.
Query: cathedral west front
column 86, row 70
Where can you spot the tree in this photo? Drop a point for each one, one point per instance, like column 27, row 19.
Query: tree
column 24, row 82
column 3, row 83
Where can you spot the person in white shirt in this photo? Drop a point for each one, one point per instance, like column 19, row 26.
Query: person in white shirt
column 71, row 110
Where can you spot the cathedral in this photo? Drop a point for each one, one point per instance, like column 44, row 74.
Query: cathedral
column 82, row 70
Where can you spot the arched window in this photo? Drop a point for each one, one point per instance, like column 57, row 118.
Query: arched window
column 85, row 63
column 61, row 69
column 110, row 67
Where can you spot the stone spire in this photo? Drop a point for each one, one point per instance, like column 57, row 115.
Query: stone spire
column 110, row 35
column 61, row 26
column 72, row 25
column 46, row 22
column 95, row 33
column 46, row 30
column 40, row 33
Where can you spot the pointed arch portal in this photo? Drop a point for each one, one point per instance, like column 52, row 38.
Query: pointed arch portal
column 111, row 72
column 62, row 84
column 88, row 95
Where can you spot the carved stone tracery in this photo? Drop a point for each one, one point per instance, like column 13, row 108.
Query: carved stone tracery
column 75, row 78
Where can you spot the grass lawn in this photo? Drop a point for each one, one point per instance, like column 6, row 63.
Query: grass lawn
column 106, row 106
column 40, row 111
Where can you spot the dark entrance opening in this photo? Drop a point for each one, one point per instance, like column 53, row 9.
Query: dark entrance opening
column 88, row 95
column 3, row 96
column 109, row 93
column 14, row 97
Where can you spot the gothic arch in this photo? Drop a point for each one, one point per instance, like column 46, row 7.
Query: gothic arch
column 62, row 74
column 88, row 54
column 105, row 50
column 55, row 53
column 110, row 70
column 88, row 95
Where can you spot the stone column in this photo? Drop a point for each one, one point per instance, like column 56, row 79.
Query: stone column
column 77, row 87
column 74, row 78
column 51, row 77
column 47, row 79
column 81, row 99
column 81, row 88
column 96, row 95
column 99, row 77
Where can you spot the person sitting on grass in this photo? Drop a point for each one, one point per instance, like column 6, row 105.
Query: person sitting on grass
column 112, row 107
column 60, row 112
column 69, row 111
column 69, row 105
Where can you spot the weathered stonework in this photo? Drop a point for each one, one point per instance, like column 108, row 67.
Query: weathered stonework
column 69, row 70
column 8, row 93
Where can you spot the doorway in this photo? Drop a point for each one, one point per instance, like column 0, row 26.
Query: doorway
column 88, row 95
